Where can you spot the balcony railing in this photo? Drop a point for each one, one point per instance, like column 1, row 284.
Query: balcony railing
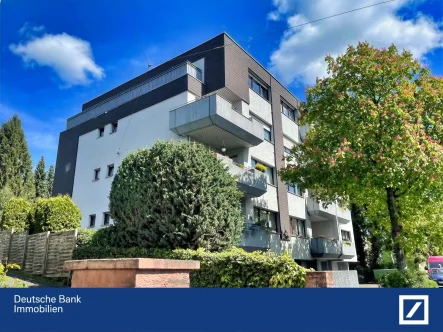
column 322, row 247
column 134, row 92
column 319, row 212
column 213, row 121
column 249, row 180
column 348, row 250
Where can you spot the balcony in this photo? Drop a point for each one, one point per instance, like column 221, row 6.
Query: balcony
column 213, row 121
column 325, row 248
column 320, row 213
column 348, row 250
column 249, row 180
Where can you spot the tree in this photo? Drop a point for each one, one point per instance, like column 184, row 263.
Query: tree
column 50, row 180
column 41, row 189
column 15, row 160
column 5, row 195
column 175, row 195
column 375, row 134
column 55, row 214
column 16, row 214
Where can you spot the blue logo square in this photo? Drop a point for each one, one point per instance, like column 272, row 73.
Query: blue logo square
column 414, row 310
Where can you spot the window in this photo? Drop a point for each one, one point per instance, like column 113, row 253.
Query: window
column 265, row 218
column 92, row 220
column 269, row 171
column 114, row 127
column 346, row 235
column 106, row 218
column 289, row 112
column 110, row 170
column 97, row 174
column 286, row 149
column 298, row 227
column 101, row 131
column 267, row 134
column 258, row 87
column 326, row 266
column 294, row 189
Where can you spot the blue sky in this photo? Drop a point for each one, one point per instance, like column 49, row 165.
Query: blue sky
column 57, row 55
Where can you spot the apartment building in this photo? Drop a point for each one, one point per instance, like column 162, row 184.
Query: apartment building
column 218, row 95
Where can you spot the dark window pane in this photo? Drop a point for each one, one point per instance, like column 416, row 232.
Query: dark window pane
column 91, row 220
column 267, row 135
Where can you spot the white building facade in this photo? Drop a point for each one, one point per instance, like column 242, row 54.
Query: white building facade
column 219, row 96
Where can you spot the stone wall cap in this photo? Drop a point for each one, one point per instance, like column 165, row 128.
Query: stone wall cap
column 132, row 263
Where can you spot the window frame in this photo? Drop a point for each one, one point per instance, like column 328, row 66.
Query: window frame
column 289, row 109
column 346, row 238
column 265, row 131
column 268, row 168
column 104, row 218
column 286, row 149
column 94, row 218
column 111, row 166
column 271, row 224
column 298, row 227
column 97, row 174
column 298, row 191
column 114, row 127
column 263, row 91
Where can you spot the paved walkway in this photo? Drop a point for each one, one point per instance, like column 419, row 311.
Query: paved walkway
column 369, row 286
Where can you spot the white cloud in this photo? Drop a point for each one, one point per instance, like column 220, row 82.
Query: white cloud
column 301, row 52
column 70, row 57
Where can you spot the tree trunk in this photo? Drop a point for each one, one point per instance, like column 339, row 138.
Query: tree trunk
column 375, row 252
column 357, row 222
column 396, row 229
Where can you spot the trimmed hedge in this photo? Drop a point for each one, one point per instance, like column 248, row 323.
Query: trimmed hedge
column 234, row 268
column 55, row 214
column 175, row 195
column 406, row 279
column 16, row 214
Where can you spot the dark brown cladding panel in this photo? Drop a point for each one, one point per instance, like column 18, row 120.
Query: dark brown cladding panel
column 238, row 65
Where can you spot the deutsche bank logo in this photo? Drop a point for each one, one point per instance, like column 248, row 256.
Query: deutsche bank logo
column 414, row 310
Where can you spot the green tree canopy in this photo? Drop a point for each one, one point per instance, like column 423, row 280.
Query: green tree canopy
column 15, row 160
column 16, row 214
column 41, row 189
column 175, row 195
column 375, row 134
column 50, row 180
column 55, row 214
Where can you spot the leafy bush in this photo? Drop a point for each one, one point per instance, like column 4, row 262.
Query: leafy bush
column 175, row 195
column 97, row 252
column 232, row 268
column 4, row 280
column 5, row 195
column 104, row 237
column 16, row 214
column 406, row 279
column 55, row 214
column 260, row 167
column 84, row 237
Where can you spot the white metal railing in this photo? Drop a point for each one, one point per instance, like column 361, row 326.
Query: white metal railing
column 123, row 97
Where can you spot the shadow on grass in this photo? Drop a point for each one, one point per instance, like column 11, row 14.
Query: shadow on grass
column 39, row 281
